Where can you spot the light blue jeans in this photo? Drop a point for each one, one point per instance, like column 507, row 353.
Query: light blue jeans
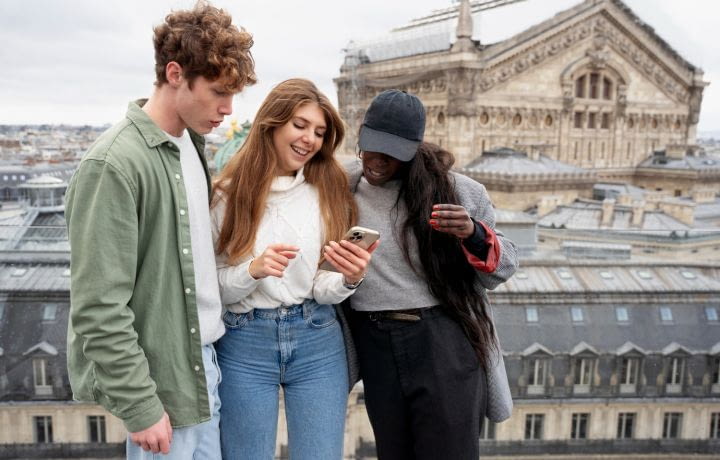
column 199, row 442
column 301, row 348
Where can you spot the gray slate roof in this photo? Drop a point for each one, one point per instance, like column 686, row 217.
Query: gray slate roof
column 691, row 162
column 602, row 278
column 586, row 215
column 511, row 162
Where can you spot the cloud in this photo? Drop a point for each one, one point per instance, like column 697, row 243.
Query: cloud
column 59, row 57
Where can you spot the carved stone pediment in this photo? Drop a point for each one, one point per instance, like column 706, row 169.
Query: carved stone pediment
column 609, row 38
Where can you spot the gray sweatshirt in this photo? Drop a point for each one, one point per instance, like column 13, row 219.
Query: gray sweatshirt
column 391, row 283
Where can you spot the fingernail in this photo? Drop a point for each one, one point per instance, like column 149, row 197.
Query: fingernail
column 433, row 223
column 434, row 214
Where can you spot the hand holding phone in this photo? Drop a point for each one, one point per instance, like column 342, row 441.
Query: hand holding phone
column 352, row 255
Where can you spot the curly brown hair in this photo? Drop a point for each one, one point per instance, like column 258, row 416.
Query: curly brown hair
column 206, row 44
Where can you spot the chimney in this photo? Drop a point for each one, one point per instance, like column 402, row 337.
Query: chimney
column 464, row 29
column 676, row 151
column 608, row 207
column 638, row 213
column 547, row 204
column 624, row 199
column 705, row 195
column 684, row 212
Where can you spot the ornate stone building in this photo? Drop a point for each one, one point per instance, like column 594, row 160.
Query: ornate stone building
column 593, row 86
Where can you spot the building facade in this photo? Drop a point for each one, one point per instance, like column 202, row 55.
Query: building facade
column 593, row 87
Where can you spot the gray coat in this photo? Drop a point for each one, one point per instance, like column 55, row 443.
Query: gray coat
column 475, row 199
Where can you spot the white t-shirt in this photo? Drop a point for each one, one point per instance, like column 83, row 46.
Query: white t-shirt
column 207, row 293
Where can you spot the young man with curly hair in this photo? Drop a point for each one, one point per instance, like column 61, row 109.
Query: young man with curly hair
column 145, row 305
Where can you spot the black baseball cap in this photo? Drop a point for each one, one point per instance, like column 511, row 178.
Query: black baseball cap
column 394, row 124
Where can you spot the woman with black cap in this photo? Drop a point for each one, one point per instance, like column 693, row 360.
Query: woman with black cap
column 429, row 357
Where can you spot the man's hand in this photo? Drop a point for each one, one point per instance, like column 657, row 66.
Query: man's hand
column 273, row 261
column 155, row 439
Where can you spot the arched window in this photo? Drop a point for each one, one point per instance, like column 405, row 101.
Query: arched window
column 595, row 85
column 600, row 88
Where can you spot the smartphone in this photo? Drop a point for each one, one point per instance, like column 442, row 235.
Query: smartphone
column 361, row 236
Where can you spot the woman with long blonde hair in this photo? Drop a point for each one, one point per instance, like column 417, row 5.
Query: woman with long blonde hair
column 282, row 204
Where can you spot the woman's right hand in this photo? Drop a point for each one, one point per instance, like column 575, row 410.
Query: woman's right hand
column 273, row 261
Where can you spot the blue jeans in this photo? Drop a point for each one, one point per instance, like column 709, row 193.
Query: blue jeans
column 301, row 348
column 201, row 441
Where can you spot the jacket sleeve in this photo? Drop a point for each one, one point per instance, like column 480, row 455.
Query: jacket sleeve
column 504, row 252
column 234, row 281
column 102, row 220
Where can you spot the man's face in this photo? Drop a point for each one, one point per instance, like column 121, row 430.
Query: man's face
column 203, row 107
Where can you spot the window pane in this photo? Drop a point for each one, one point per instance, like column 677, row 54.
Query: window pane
column 531, row 314
column 533, row 426
column 537, row 372
column 96, row 425
column 577, row 314
column 594, row 83
column 580, row 87
column 50, row 312
column 621, row 314
column 629, row 371
column 579, row 426
column 578, row 119
column 710, row 312
column 671, row 425
column 715, row 425
column 626, row 421
column 607, row 89
column 39, row 368
column 43, row 429
column 488, row 430
column 583, row 371
column 591, row 120
column 666, row 314
column 675, row 371
column 605, row 122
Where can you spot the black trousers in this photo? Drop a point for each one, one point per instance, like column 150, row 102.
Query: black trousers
column 424, row 387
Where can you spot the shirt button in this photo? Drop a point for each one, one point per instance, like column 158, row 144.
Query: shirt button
column 185, row 251
column 192, row 330
column 177, row 176
column 182, row 212
column 197, row 368
column 187, row 291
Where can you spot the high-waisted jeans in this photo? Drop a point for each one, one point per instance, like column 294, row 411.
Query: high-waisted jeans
column 300, row 348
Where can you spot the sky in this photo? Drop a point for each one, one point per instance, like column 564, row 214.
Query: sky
column 81, row 61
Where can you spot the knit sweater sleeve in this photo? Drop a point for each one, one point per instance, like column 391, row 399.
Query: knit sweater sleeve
column 476, row 200
column 329, row 288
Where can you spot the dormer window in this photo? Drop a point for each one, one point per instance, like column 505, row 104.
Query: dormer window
column 675, row 371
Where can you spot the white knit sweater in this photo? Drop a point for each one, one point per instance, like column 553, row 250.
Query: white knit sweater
column 292, row 216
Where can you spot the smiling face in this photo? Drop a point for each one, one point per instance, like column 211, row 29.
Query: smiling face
column 298, row 140
column 379, row 168
column 203, row 107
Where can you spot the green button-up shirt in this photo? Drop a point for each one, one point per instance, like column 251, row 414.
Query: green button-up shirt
column 133, row 337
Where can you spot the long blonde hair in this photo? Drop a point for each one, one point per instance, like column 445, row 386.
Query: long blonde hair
column 245, row 181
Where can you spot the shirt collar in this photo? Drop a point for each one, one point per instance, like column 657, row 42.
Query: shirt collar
column 152, row 134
